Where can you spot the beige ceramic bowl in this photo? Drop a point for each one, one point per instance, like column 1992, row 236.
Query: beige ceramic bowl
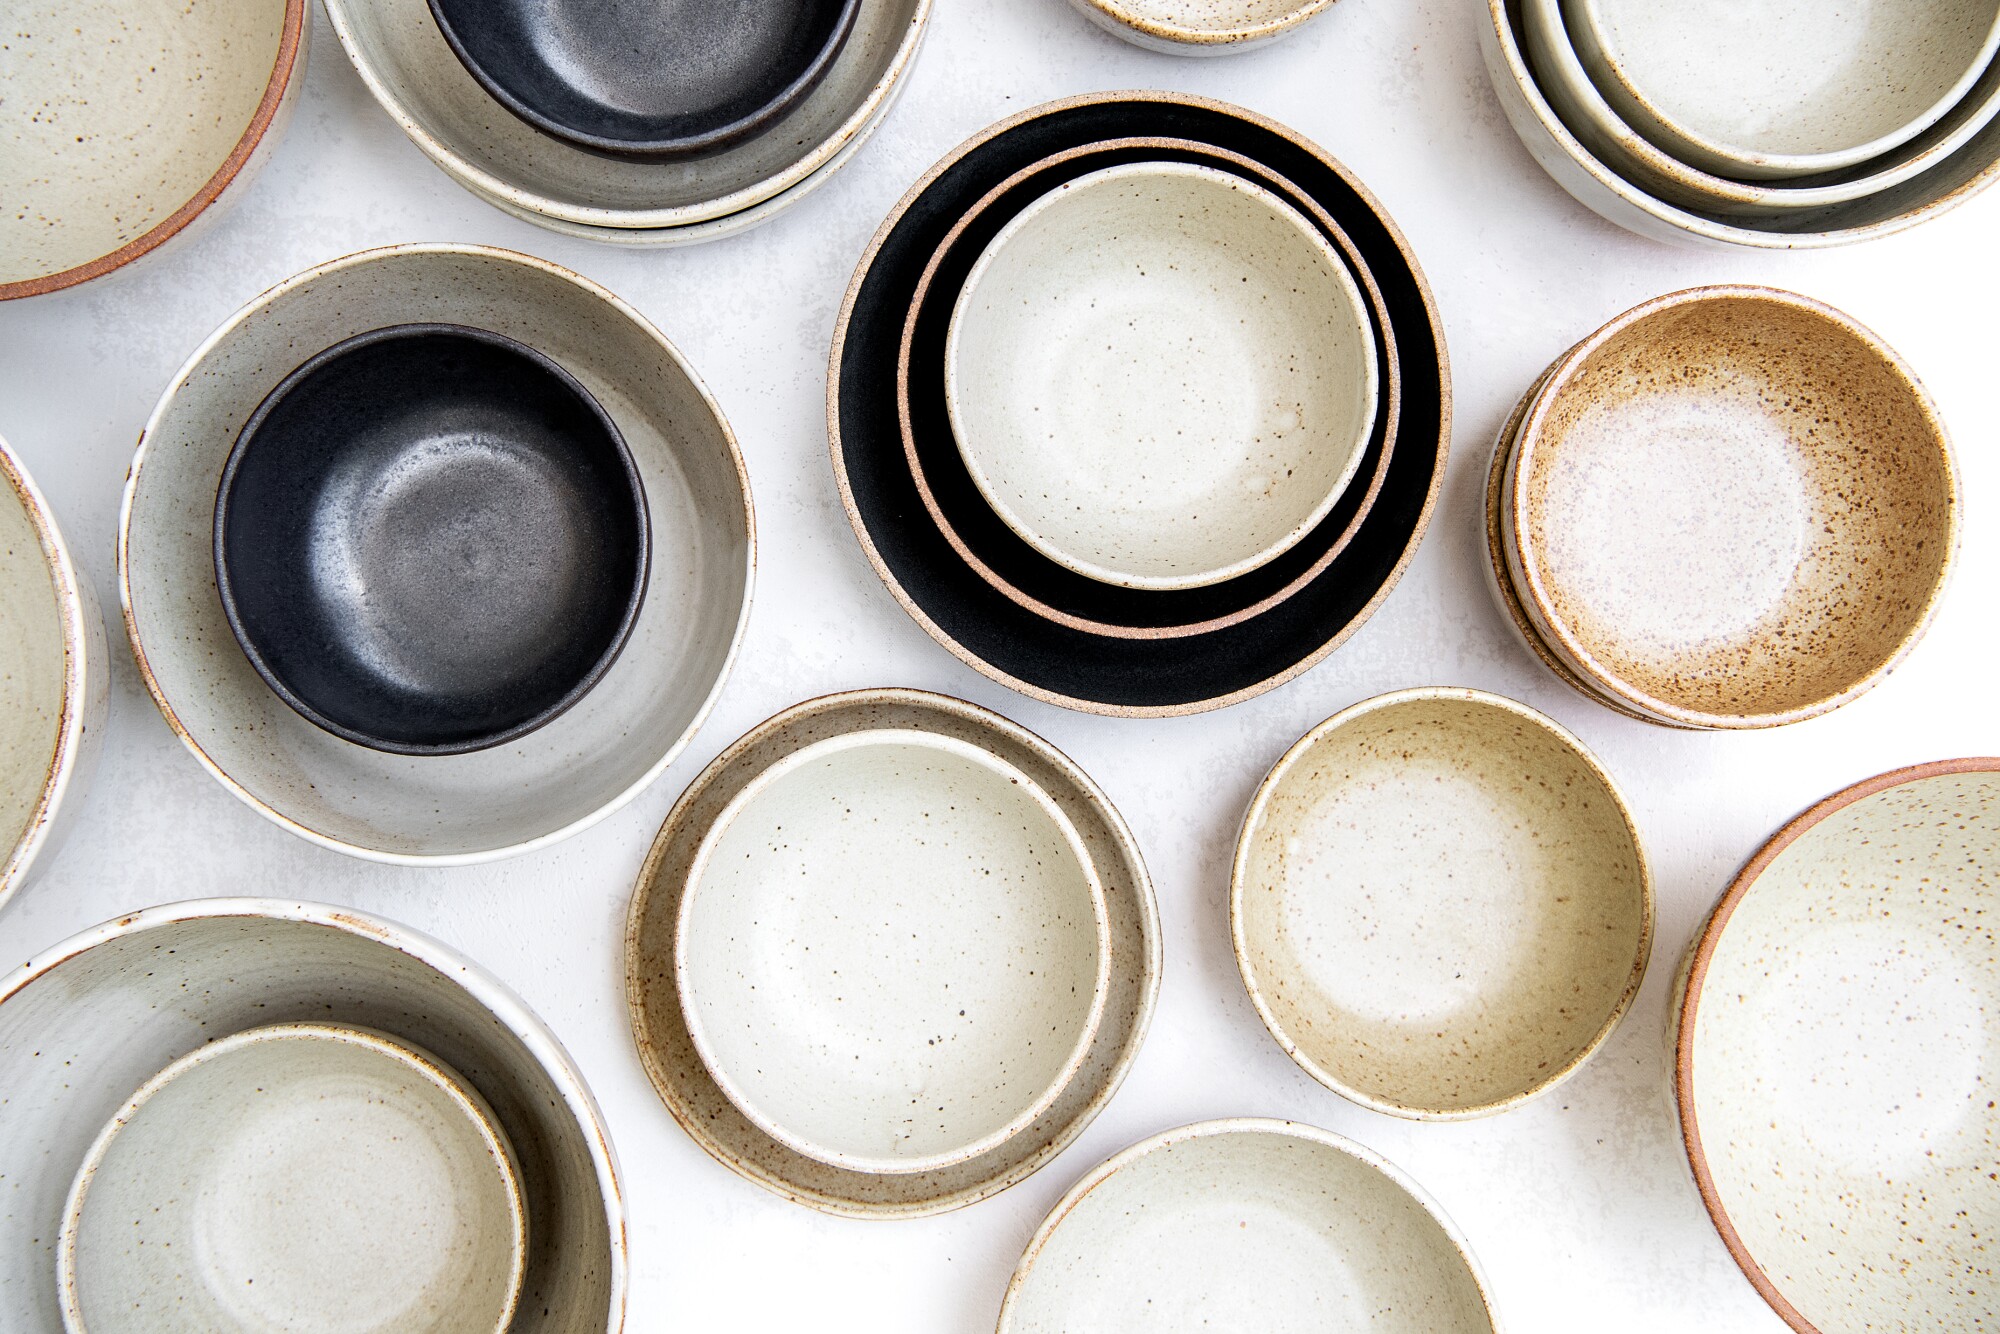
column 1440, row 904
column 127, row 120
column 1199, row 27
column 1837, row 1053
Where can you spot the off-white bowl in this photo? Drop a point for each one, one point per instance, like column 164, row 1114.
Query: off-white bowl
column 1199, row 27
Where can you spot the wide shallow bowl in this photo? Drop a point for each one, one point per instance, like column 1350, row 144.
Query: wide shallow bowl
column 995, row 633
column 540, row 787
column 301, row 1177
column 1247, row 1224
column 719, row 1126
column 1836, row 1056
column 128, row 120
column 1731, row 507
column 1199, row 27
column 1440, row 904
column 1161, row 375
column 92, row 1019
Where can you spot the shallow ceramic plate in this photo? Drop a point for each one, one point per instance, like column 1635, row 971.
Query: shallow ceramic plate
column 1199, row 27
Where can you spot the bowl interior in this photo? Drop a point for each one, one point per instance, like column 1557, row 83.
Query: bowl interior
column 34, row 668
column 1207, row 18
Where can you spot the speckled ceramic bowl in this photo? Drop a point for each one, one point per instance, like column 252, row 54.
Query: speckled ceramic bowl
column 94, row 1018
column 1199, row 27
column 720, row 1127
column 550, row 783
column 1247, row 1224
column 129, row 120
column 300, row 1177
column 1837, row 1053
column 1440, row 904
column 1731, row 507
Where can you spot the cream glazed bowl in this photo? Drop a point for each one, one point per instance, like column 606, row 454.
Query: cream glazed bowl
column 1161, row 375
column 300, row 1177
column 1199, row 27
column 1837, row 1061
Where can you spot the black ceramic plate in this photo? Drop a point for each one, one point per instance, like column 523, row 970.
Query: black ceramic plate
column 647, row 78
column 1101, row 673
column 430, row 539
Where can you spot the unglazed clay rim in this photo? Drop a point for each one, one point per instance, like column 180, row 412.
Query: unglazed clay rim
column 250, row 799
column 1242, row 1125
column 691, row 1009
column 291, row 42
column 1702, row 953
column 1122, row 12
column 936, row 631
column 1534, row 593
column 412, row 1057
column 1239, row 874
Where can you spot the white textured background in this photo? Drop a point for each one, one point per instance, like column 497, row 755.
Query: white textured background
column 1578, row 1205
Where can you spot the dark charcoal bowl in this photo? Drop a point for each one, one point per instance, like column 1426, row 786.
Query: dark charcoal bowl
column 657, row 79
column 430, row 539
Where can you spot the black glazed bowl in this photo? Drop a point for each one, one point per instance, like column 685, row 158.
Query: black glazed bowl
column 656, row 79
column 1058, row 663
column 430, row 539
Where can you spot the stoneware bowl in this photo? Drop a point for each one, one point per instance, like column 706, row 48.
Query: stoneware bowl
column 129, row 120
column 300, row 1177
column 1731, row 507
column 1439, row 903
column 1247, row 1224
column 893, row 953
column 488, row 552
column 660, row 1025
column 1836, row 1054
column 542, row 786
column 54, row 681
column 1161, row 375
column 96, row 1017
column 1199, row 27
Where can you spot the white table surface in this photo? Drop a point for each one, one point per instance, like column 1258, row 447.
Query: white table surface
column 1578, row 1205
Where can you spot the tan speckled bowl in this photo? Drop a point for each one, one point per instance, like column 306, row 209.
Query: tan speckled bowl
column 1199, row 27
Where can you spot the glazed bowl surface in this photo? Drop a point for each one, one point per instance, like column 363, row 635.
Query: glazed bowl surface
column 1199, row 27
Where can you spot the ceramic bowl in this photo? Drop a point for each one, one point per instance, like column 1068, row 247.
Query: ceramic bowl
column 1247, row 1224
column 129, row 120
column 1199, row 27
column 1835, row 1056
column 1439, row 903
column 90, row 1020
column 538, row 788
column 1731, row 507
column 491, row 552
column 1161, row 375
column 55, row 680
column 314, row 1177
column 660, row 1025
column 893, row 952
column 1105, row 673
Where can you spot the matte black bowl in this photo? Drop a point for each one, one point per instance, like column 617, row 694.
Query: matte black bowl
column 430, row 539
column 656, row 79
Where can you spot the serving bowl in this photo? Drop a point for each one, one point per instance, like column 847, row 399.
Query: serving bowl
column 1199, row 27
column 1835, row 1055
column 129, row 120
column 542, row 786
column 297, row 1176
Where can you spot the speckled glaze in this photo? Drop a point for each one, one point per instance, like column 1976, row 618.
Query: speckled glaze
column 1439, row 903
column 1837, row 1052
column 300, row 1177
column 719, row 1127
column 92, row 1019
column 125, row 121
column 432, row 809
column 1247, row 1224
column 1199, row 27
column 1161, row 375
column 1780, row 595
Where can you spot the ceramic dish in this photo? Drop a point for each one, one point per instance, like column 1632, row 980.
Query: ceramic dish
column 1439, row 904
column 314, row 1177
column 129, row 120
column 989, row 630
column 55, row 680
column 1199, row 27
column 92, row 1019
column 1247, row 1224
column 1836, row 1053
column 1161, row 375
column 719, row 1127
column 434, row 809
column 1731, row 507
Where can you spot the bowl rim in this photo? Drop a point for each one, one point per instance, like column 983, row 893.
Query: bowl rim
column 1124, row 13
